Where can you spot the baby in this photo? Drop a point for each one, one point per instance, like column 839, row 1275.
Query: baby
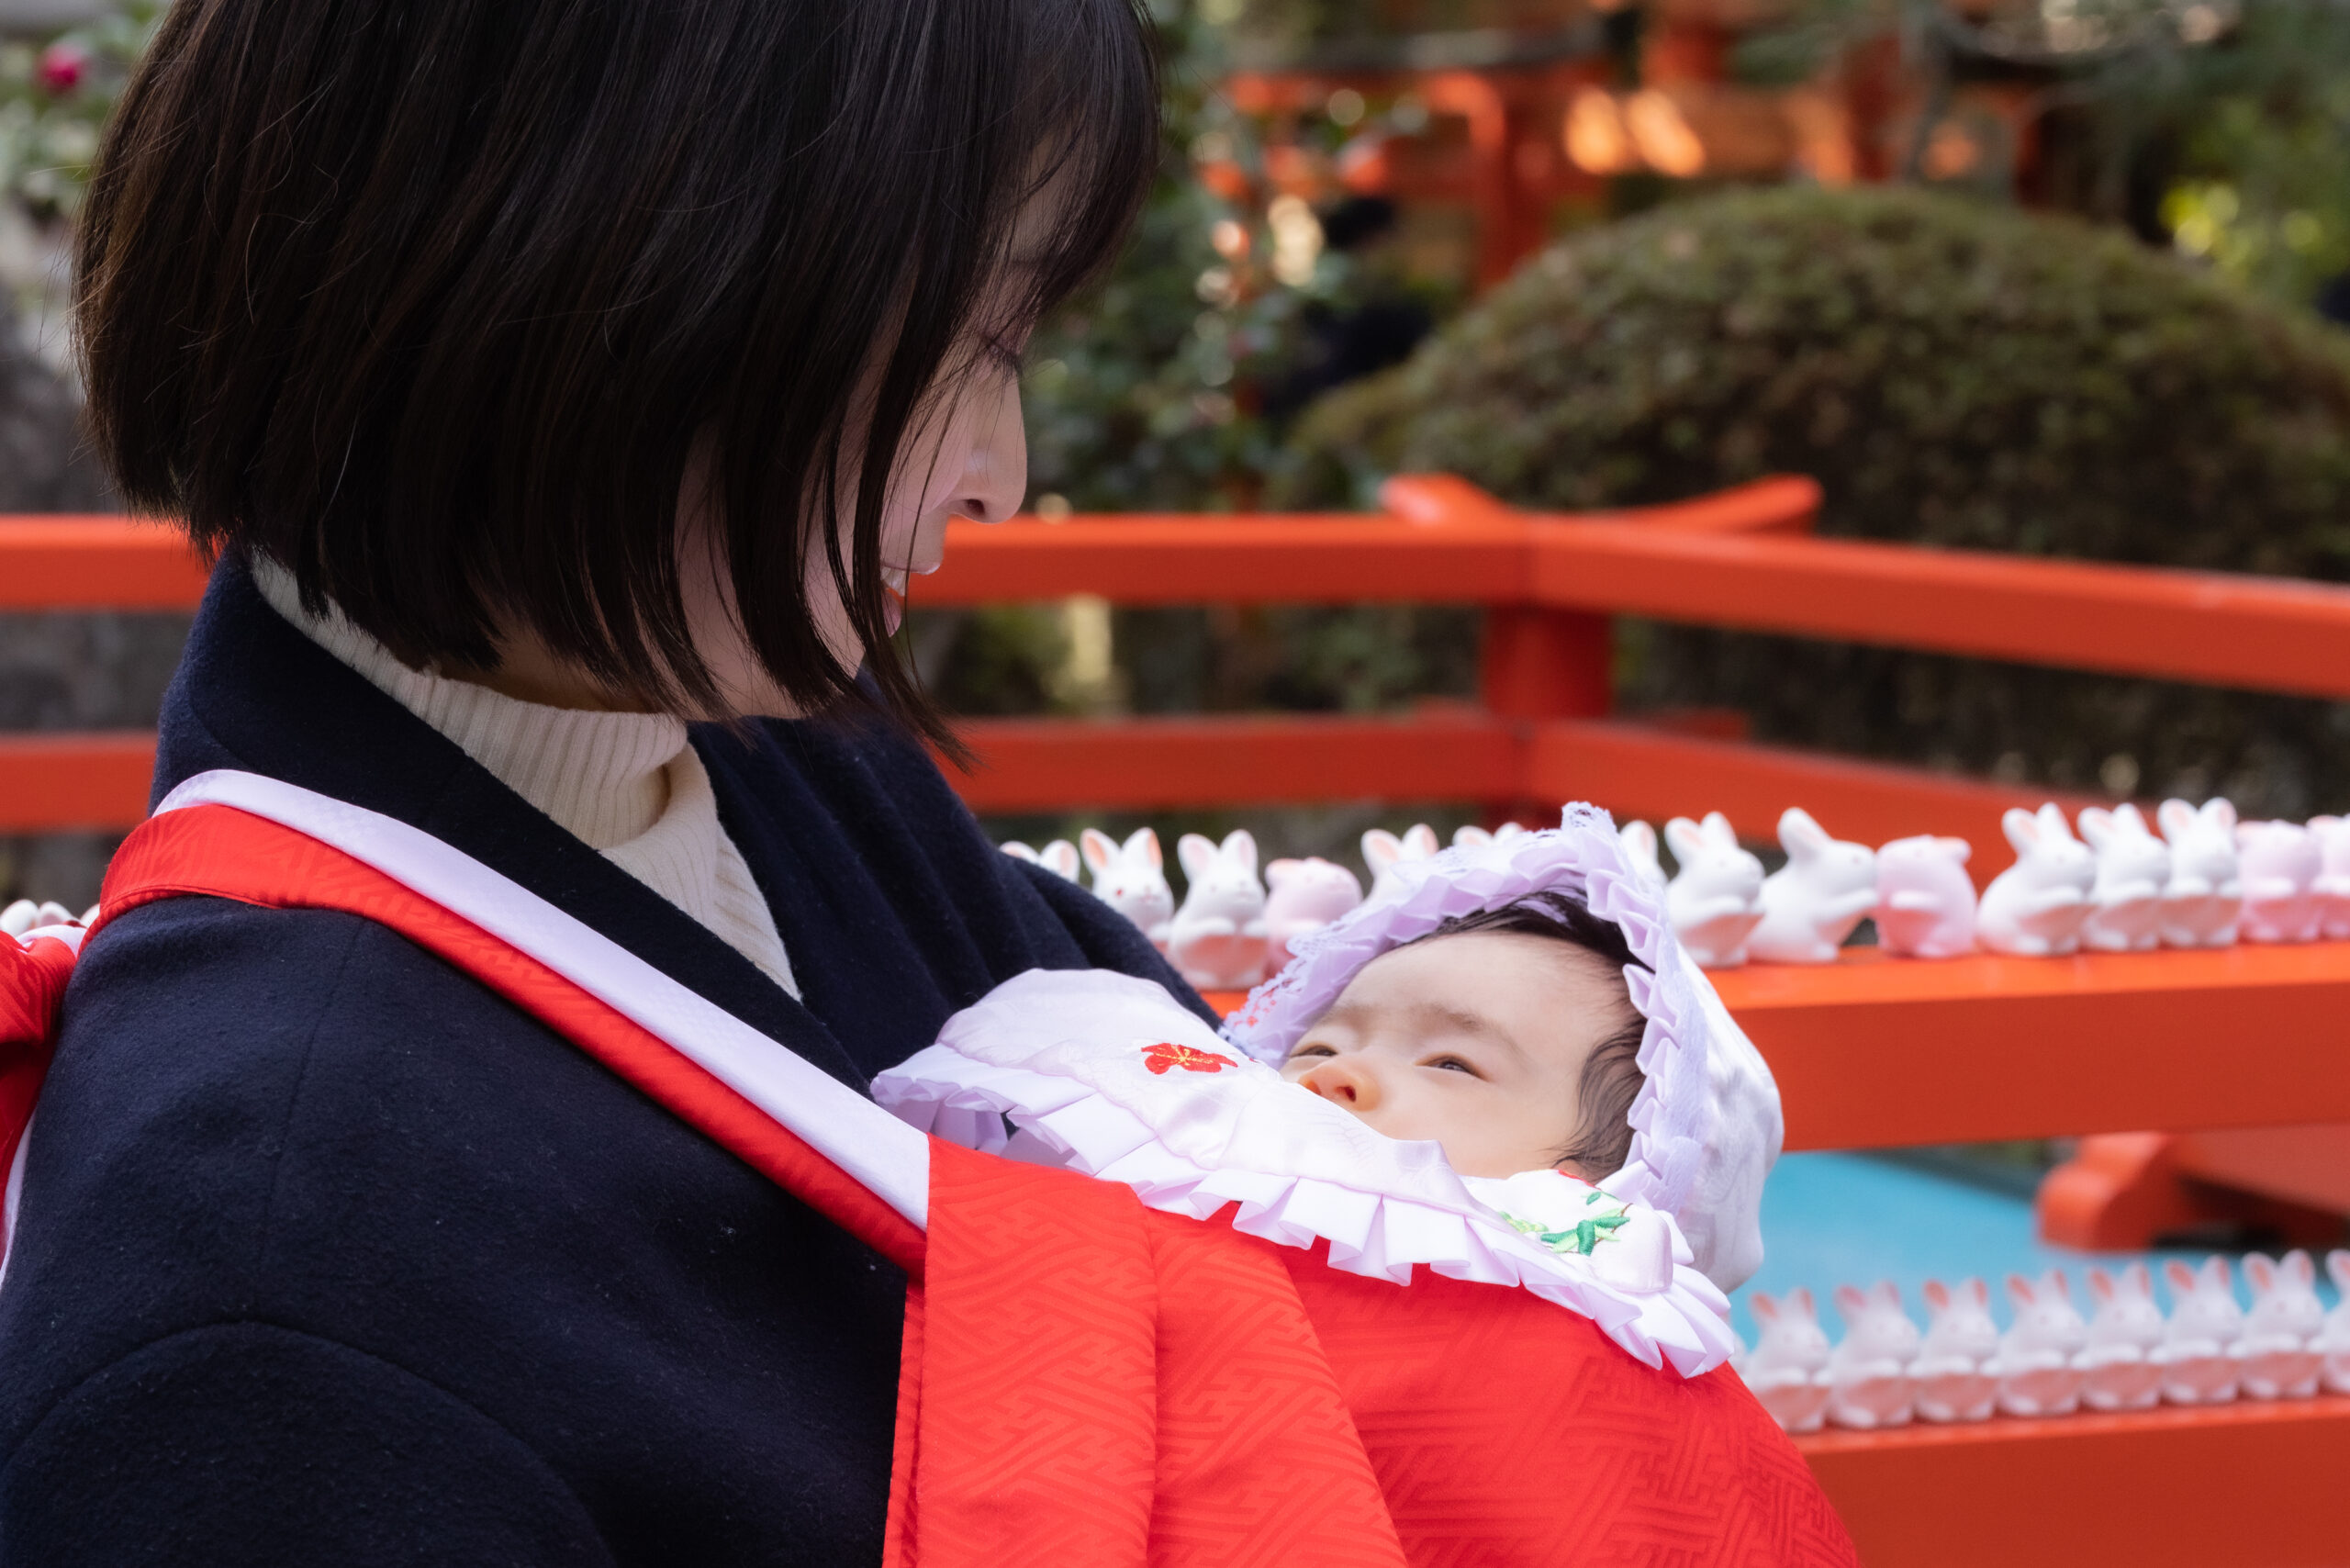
column 1511, row 1074
column 1507, row 1037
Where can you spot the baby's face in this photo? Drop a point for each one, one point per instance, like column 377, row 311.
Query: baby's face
column 1476, row 1041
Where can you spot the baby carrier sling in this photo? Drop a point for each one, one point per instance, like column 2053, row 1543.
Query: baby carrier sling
column 1083, row 1379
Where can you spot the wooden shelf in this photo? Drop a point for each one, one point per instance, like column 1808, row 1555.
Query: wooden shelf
column 1880, row 1052
column 2251, row 1483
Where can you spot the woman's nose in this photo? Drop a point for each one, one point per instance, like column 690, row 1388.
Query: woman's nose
column 1350, row 1083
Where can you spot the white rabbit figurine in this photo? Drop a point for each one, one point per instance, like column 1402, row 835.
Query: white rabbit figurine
column 1059, row 856
column 26, row 916
column 2280, row 867
column 1217, row 939
column 1715, row 902
column 1869, row 1383
column 2038, row 1365
column 1382, row 852
column 1307, row 895
column 1786, row 1369
column 2332, row 887
column 2333, row 1339
column 2132, row 868
column 2205, row 895
column 1959, row 1338
column 2035, row 907
column 1132, row 880
column 2278, row 1350
column 2198, row 1353
column 1811, row 904
column 1639, row 840
column 1925, row 901
column 2120, row 1370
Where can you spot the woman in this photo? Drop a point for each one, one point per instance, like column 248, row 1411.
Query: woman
column 568, row 389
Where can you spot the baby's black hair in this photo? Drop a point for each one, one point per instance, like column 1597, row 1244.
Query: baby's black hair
column 1602, row 1139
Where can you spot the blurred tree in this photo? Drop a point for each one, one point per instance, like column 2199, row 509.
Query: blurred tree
column 2222, row 125
column 55, row 93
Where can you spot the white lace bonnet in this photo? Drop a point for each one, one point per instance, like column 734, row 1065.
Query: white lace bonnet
column 1706, row 1126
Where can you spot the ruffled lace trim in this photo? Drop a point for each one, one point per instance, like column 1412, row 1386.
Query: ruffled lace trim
column 1060, row 1121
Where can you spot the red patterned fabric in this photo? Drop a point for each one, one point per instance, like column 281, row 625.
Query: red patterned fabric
column 1088, row 1382
column 32, row 982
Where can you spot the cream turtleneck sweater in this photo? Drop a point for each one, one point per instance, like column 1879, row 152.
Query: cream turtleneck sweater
column 630, row 785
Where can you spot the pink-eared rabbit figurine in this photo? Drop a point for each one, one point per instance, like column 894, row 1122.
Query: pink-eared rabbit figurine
column 1715, row 900
column 1925, row 901
column 1217, row 939
column 2280, row 867
column 2120, row 1370
column 1059, row 856
column 2035, row 907
column 1960, row 1340
column 2204, row 897
column 1382, row 852
column 1472, row 837
column 1639, row 840
column 2333, row 1339
column 2132, row 868
column 1869, row 1383
column 1788, row 1367
column 1307, row 895
column 1131, row 878
column 2038, row 1365
column 1812, row 904
column 2199, row 1352
column 2332, row 834
column 2280, row 1352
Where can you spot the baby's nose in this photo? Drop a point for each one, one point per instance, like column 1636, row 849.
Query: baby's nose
column 1347, row 1082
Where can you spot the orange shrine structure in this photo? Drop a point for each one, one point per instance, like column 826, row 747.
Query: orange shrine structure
column 1520, row 127
column 2200, row 1084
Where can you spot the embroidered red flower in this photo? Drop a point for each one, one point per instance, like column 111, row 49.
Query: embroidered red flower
column 1167, row 1054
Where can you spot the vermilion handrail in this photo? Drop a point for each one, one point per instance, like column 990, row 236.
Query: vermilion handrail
column 1721, row 561
column 1454, row 545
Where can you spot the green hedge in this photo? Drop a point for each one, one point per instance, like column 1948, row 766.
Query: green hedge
column 1953, row 374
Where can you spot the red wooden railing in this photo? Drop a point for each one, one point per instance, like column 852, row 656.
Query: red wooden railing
column 1868, row 1052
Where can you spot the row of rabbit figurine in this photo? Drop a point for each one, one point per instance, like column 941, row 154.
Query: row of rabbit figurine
column 2204, row 881
column 2053, row 1361
column 26, row 916
column 1231, row 932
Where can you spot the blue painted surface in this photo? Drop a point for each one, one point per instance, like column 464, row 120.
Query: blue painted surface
column 1833, row 1219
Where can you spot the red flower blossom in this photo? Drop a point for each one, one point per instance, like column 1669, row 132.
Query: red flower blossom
column 63, row 66
column 1166, row 1053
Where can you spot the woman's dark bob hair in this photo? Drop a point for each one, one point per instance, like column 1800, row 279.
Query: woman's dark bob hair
column 433, row 301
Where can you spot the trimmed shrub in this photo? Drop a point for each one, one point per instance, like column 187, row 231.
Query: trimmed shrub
column 1953, row 374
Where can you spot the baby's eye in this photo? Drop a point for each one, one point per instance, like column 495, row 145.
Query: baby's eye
column 1304, row 1051
column 1451, row 1064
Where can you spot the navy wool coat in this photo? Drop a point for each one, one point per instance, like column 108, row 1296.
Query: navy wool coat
column 327, row 1255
